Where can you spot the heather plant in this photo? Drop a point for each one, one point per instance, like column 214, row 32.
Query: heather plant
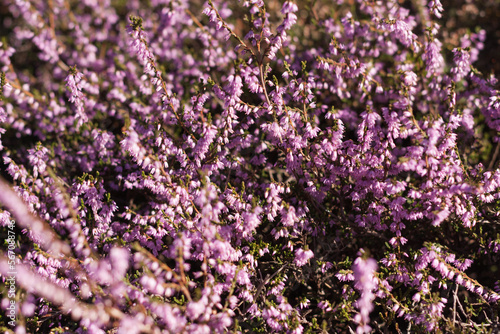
column 175, row 166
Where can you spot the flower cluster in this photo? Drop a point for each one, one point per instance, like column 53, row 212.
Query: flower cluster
column 76, row 96
column 365, row 282
column 271, row 166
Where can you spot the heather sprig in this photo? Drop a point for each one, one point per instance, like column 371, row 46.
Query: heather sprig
column 255, row 166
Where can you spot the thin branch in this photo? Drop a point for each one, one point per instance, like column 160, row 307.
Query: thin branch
column 263, row 83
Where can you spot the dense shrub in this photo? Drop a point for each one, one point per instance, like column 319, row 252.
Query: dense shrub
column 174, row 166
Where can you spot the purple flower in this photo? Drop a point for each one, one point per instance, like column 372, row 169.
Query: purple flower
column 436, row 7
column 365, row 283
column 302, row 256
column 184, row 177
column 432, row 57
column 461, row 57
column 409, row 78
column 119, row 259
column 73, row 83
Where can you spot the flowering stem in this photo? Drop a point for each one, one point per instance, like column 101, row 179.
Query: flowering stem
column 494, row 157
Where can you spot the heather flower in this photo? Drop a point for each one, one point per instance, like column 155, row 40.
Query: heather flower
column 203, row 144
column 5, row 54
column 302, row 256
column 325, row 306
column 402, row 31
column 461, row 57
column 37, row 158
column 132, row 145
column 74, row 85
column 433, row 57
column 365, row 283
column 130, row 325
column 219, row 171
column 48, row 45
column 304, row 303
column 436, row 7
column 409, row 78
column 119, row 259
